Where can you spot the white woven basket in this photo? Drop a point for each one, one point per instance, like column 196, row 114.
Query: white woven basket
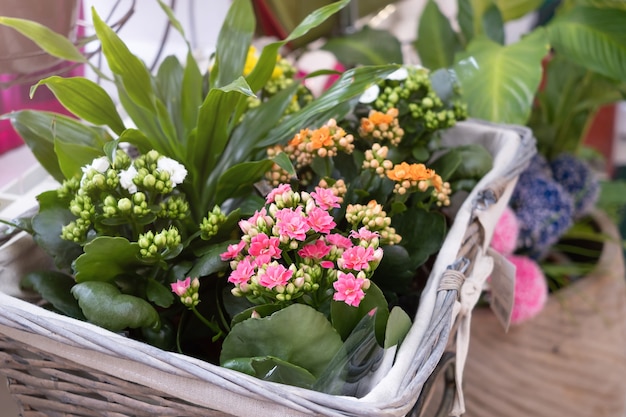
column 59, row 366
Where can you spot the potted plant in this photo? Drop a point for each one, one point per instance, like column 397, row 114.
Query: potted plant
column 243, row 237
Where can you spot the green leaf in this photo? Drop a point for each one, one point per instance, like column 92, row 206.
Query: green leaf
column 191, row 94
column 133, row 73
column 39, row 130
column 591, row 37
column 53, row 43
column 366, row 47
column 233, row 43
column 137, row 138
column 159, row 294
column 55, row 287
column 104, row 305
column 493, row 25
column 315, row 18
column 106, row 257
column 417, row 222
column 273, row 369
column 169, row 80
column 514, row 9
column 210, row 262
column 436, row 41
column 398, row 326
column 345, row 318
column 499, row 82
column 283, row 161
column 476, row 162
column 465, row 16
column 239, row 179
column 297, row 334
column 85, row 99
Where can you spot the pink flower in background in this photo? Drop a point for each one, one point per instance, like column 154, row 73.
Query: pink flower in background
column 349, row 289
column 282, row 188
column 364, row 234
column 274, row 275
column 264, row 248
column 233, row 251
column 320, row 220
column 292, row 223
column 505, row 234
column 244, row 271
column 180, row 287
column 325, row 198
column 531, row 289
column 338, row 240
column 356, row 258
column 315, row 250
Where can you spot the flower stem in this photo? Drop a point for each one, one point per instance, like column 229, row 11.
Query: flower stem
column 214, row 327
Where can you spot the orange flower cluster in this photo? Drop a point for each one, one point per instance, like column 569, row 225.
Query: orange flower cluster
column 418, row 176
column 382, row 126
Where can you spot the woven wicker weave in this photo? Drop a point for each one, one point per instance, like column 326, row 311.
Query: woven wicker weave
column 58, row 366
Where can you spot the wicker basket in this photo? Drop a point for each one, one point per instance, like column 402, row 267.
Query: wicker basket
column 57, row 366
column 573, row 354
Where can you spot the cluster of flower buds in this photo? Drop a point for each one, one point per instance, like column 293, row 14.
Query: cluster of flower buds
column 380, row 127
column 290, row 250
column 374, row 218
column 211, row 223
column 187, row 290
column 158, row 245
column 122, row 193
column 376, row 160
column 416, row 177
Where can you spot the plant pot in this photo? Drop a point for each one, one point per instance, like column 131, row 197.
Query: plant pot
column 61, row 366
column 570, row 360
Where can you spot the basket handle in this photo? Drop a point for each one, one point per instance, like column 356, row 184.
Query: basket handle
column 447, row 368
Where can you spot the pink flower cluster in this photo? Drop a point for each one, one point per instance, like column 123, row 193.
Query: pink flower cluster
column 291, row 251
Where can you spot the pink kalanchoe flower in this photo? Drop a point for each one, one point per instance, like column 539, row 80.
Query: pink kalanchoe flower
column 327, row 264
column 180, row 287
column 364, row 234
column 292, row 223
column 233, row 251
column 349, row 289
column 316, row 250
column 320, row 220
column 244, row 271
column 259, row 216
column 281, row 189
column 325, row 198
column 275, row 274
column 338, row 240
column 356, row 258
column 264, row 248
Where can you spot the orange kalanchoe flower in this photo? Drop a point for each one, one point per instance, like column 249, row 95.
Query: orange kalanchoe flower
column 321, row 138
column 382, row 126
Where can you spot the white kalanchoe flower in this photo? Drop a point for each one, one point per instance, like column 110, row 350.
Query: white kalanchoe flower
column 100, row 164
column 177, row 171
column 126, row 179
column 399, row 74
column 370, row 94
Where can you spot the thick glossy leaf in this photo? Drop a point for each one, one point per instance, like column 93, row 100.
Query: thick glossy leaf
column 345, row 318
column 349, row 86
column 476, row 162
column 85, row 99
column 72, row 156
column 317, row 17
column 132, row 71
column 270, row 368
column 137, row 138
column 104, row 305
column 605, row 4
column 106, row 257
column 233, row 42
column 55, row 287
column 493, row 26
column 159, row 294
column 500, row 82
column 594, row 38
column 240, row 178
column 40, row 129
column 417, row 222
column 436, row 41
column 53, row 43
column 53, row 215
column 366, row 47
column 398, row 326
column 210, row 262
column 297, row 334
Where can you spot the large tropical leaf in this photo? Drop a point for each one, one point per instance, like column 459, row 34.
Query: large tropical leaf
column 366, row 47
column 436, row 41
column 514, row 9
column 592, row 37
column 499, row 82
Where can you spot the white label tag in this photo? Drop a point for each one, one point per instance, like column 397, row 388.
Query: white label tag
column 502, row 287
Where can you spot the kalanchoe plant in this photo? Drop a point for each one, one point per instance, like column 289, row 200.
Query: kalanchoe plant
column 328, row 193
